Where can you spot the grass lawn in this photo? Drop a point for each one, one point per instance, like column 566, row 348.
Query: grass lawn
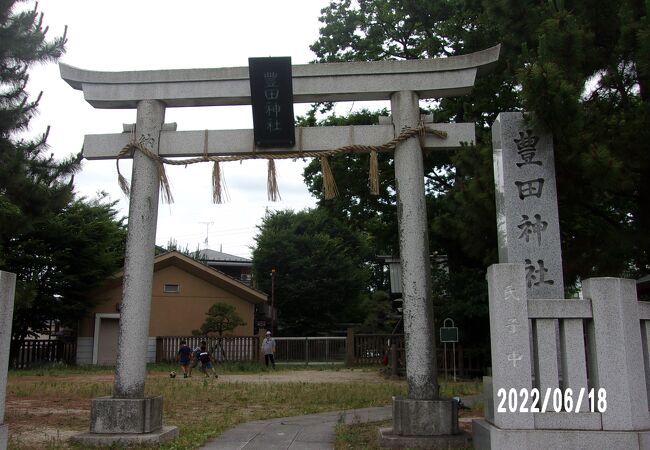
column 361, row 436
column 47, row 405
column 365, row 435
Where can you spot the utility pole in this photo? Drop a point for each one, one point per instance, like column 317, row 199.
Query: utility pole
column 207, row 231
column 273, row 301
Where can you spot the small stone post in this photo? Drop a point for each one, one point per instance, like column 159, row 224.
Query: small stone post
column 511, row 357
column 394, row 372
column 7, row 292
column 349, row 348
column 615, row 351
column 261, row 334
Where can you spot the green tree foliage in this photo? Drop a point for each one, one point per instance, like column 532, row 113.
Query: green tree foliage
column 321, row 271
column 460, row 204
column 585, row 75
column 60, row 260
column 380, row 316
column 581, row 68
column 197, row 255
column 58, row 246
column 32, row 183
column 385, row 29
column 374, row 215
column 222, row 318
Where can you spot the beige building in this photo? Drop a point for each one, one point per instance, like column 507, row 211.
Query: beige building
column 183, row 291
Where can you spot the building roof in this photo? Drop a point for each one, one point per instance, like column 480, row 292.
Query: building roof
column 213, row 257
column 206, row 273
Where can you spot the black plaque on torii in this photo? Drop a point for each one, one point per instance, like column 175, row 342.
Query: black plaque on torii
column 272, row 101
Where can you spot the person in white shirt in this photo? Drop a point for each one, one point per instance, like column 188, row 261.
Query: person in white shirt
column 268, row 349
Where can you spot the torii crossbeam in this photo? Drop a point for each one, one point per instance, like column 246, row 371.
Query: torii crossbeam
column 401, row 82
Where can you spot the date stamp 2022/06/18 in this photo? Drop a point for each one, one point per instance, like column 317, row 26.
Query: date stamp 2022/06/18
column 552, row 400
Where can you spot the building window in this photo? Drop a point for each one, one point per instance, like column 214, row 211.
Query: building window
column 171, row 288
column 246, row 278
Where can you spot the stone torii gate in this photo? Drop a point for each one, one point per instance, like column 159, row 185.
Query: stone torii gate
column 128, row 415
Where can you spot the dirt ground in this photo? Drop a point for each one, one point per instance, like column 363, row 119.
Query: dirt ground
column 304, row 376
column 295, row 376
column 37, row 423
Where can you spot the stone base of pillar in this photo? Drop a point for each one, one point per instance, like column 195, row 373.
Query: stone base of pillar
column 120, row 440
column 387, row 439
column 126, row 422
column 126, row 415
column 4, row 434
column 424, row 417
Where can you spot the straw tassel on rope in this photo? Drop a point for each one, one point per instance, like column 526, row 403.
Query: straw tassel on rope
column 273, row 192
column 373, row 173
column 219, row 190
column 329, row 184
column 165, row 190
column 129, row 149
column 121, row 181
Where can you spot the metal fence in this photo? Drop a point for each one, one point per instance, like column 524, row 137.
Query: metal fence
column 36, row 351
column 372, row 348
column 310, row 349
column 368, row 349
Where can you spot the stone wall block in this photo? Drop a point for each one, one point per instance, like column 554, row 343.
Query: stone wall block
column 617, row 350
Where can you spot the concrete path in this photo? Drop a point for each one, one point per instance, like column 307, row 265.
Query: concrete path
column 312, row 432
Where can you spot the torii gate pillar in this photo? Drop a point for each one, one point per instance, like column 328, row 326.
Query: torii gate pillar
column 130, row 369
column 128, row 417
column 419, row 337
column 421, row 417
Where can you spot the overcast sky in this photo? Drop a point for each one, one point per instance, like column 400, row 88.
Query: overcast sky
column 162, row 34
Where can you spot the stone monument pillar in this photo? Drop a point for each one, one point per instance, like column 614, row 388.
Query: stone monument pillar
column 528, row 230
column 128, row 417
column 7, row 292
column 528, row 225
column 422, row 418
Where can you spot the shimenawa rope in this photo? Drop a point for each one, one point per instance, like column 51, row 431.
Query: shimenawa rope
column 329, row 185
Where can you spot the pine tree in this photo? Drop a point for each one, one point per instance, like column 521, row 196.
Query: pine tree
column 33, row 185
column 59, row 246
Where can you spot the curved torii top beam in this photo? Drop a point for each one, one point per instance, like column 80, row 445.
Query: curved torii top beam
column 430, row 78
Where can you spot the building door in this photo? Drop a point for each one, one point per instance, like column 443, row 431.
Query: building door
column 107, row 344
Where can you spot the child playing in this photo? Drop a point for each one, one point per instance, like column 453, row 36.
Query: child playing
column 206, row 363
column 183, row 357
column 195, row 358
